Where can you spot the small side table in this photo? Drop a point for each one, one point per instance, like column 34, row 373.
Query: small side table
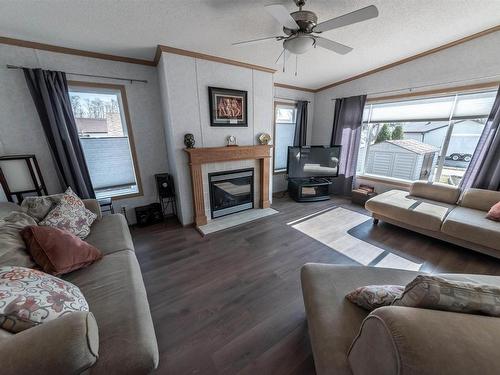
column 106, row 205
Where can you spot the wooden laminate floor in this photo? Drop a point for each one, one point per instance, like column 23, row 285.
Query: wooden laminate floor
column 230, row 303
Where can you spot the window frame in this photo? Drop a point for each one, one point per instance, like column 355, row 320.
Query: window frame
column 459, row 90
column 276, row 104
column 125, row 108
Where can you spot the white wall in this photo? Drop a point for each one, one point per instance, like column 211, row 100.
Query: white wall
column 21, row 131
column 184, row 83
column 465, row 62
column 280, row 93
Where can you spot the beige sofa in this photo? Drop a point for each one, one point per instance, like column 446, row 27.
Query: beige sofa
column 116, row 337
column 347, row 340
column 437, row 210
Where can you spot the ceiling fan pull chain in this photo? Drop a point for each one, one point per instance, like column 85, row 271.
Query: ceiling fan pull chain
column 284, row 60
column 296, row 64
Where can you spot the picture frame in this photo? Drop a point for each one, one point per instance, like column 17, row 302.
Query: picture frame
column 228, row 107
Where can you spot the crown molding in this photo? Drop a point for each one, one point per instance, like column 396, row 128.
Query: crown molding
column 72, row 51
column 197, row 55
column 413, row 57
column 283, row 86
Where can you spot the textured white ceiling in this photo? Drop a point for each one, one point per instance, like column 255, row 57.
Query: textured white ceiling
column 133, row 28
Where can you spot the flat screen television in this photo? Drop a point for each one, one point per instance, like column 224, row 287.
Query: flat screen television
column 313, row 161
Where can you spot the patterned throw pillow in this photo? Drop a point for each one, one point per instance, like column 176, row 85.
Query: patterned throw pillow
column 432, row 292
column 371, row 297
column 29, row 297
column 71, row 215
column 39, row 207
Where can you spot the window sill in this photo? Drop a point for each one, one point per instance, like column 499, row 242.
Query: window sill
column 386, row 180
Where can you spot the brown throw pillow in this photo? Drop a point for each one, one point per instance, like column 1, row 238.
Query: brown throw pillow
column 494, row 212
column 371, row 297
column 436, row 293
column 58, row 251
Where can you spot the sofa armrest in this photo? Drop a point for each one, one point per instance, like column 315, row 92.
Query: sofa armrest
column 93, row 205
column 67, row 345
column 406, row 340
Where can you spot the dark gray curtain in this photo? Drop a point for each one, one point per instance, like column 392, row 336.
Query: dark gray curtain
column 484, row 168
column 347, row 120
column 299, row 138
column 49, row 91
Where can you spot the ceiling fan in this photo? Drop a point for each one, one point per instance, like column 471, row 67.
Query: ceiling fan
column 302, row 28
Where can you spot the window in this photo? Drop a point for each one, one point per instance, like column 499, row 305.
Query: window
column 284, row 130
column 423, row 139
column 105, row 135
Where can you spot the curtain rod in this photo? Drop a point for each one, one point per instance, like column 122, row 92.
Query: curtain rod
column 430, row 85
column 292, row 100
column 131, row 80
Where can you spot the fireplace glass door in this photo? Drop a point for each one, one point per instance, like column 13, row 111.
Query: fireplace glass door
column 231, row 192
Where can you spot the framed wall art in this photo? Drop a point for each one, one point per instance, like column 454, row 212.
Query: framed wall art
column 228, row 107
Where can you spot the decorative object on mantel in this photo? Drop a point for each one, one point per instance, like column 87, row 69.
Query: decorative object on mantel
column 20, row 175
column 227, row 107
column 189, row 140
column 231, row 141
column 264, row 138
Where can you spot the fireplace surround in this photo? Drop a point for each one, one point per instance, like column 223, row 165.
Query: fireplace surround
column 207, row 155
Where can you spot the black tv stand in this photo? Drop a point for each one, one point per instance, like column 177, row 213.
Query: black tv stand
column 310, row 189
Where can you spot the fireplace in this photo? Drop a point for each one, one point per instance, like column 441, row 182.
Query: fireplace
column 231, row 191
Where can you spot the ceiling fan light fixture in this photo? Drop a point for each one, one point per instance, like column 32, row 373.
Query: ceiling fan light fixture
column 299, row 44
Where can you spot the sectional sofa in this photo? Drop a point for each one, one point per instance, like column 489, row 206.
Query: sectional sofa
column 437, row 210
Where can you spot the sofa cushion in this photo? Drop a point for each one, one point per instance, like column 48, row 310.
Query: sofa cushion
column 398, row 205
column 472, row 225
column 58, row 251
column 7, row 207
column 333, row 321
column 12, row 247
column 480, row 199
column 110, row 234
column 436, row 191
column 116, row 296
column 30, row 297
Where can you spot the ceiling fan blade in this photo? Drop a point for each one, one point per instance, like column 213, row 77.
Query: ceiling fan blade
column 254, row 41
column 332, row 46
column 359, row 15
column 281, row 14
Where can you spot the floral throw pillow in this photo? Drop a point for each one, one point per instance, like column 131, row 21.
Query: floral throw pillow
column 29, row 297
column 71, row 215
column 371, row 297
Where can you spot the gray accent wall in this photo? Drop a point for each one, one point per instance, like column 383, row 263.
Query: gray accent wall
column 184, row 83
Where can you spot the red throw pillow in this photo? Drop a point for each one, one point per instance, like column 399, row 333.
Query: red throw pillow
column 57, row 251
column 494, row 212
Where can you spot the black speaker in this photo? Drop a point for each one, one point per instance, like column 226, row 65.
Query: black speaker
column 165, row 185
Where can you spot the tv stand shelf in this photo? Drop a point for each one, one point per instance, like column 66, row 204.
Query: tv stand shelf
column 309, row 189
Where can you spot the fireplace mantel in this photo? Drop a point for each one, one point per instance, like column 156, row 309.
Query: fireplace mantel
column 204, row 155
